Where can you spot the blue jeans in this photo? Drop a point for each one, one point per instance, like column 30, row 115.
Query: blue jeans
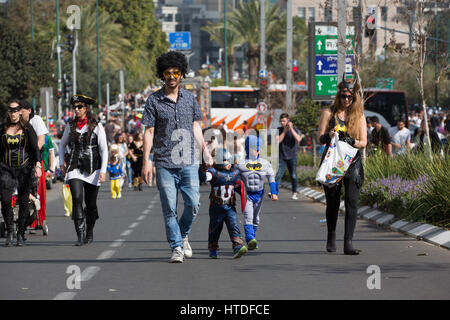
column 291, row 165
column 129, row 172
column 169, row 181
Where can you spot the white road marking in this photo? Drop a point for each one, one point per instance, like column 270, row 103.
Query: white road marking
column 126, row 233
column 89, row 272
column 140, row 218
column 106, row 254
column 117, row 243
column 146, row 211
column 65, row 296
column 133, row 225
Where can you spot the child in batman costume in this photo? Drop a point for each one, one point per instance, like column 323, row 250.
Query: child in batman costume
column 253, row 171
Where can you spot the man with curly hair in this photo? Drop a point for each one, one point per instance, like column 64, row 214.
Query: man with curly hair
column 172, row 127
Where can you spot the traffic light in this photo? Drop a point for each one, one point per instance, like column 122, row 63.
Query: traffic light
column 370, row 25
column 68, row 88
column 70, row 44
column 294, row 69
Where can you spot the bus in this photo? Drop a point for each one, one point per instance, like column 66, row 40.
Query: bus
column 231, row 106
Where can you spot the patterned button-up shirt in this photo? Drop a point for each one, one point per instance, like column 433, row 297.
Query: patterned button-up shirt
column 173, row 140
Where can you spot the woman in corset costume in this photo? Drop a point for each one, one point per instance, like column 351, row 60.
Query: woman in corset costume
column 346, row 117
column 20, row 160
column 86, row 168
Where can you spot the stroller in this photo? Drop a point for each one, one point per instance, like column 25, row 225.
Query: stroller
column 30, row 219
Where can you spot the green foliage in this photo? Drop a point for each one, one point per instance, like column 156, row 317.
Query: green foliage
column 24, row 67
column 409, row 186
column 307, row 116
column 143, row 31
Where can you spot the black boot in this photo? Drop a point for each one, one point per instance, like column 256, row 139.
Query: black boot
column 20, row 239
column 79, row 228
column 89, row 231
column 9, row 239
column 348, row 248
column 331, row 242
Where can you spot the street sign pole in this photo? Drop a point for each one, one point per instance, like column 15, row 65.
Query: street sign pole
column 342, row 25
column 289, row 58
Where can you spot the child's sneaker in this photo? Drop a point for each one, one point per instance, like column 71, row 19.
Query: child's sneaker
column 119, row 196
column 252, row 244
column 239, row 251
column 213, row 254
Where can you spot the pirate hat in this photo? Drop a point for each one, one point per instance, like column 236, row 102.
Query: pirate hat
column 81, row 98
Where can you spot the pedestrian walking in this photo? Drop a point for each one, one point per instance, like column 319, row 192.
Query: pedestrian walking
column 345, row 117
column 20, row 161
column 289, row 138
column 129, row 169
column 41, row 131
column 115, row 173
column 86, row 168
column 136, row 151
column 172, row 127
column 222, row 208
column 400, row 137
column 253, row 172
column 381, row 140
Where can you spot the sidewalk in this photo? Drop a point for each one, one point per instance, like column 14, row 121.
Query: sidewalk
column 420, row 231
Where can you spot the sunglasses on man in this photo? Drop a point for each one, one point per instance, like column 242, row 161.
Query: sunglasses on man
column 176, row 74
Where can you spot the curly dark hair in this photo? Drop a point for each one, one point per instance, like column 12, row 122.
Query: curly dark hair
column 171, row 59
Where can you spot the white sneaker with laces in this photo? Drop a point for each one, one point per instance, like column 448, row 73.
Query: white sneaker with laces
column 177, row 255
column 187, row 248
column 294, row 196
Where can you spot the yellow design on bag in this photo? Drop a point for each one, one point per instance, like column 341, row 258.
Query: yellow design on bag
column 12, row 140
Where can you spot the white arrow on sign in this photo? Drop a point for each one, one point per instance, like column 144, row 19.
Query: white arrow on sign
column 319, row 84
column 320, row 64
column 319, row 44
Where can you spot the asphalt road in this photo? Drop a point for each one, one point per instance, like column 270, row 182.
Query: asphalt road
column 129, row 258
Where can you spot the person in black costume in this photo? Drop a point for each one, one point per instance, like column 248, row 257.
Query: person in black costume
column 20, row 159
column 86, row 168
column 346, row 117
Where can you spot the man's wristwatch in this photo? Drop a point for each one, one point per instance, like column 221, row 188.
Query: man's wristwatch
column 50, row 170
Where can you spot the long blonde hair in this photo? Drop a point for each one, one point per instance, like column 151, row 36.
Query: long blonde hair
column 355, row 110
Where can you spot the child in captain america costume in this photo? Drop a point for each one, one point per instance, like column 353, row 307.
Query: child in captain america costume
column 223, row 178
column 253, row 171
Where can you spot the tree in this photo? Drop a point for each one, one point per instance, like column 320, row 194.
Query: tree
column 418, row 53
column 144, row 33
column 234, row 39
column 246, row 20
column 24, row 67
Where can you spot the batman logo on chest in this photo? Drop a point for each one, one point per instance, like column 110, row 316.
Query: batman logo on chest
column 254, row 166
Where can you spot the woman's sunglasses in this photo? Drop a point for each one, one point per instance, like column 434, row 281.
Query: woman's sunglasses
column 14, row 110
column 175, row 74
column 79, row 106
column 346, row 96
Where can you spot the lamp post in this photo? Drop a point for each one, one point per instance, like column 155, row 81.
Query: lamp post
column 99, row 85
column 225, row 58
column 32, row 40
column 58, row 53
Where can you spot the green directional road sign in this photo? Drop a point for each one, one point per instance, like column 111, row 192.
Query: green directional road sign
column 322, row 67
column 385, row 83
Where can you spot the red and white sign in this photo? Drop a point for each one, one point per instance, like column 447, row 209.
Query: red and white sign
column 260, row 119
column 262, row 107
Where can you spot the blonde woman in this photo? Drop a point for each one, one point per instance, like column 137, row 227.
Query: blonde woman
column 345, row 117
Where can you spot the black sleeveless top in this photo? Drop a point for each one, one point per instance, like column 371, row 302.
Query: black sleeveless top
column 20, row 150
column 356, row 171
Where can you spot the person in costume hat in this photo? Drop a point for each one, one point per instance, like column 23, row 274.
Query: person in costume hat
column 86, row 167
column 345, row 118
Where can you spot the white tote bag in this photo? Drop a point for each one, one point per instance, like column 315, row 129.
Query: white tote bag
column 336, row 162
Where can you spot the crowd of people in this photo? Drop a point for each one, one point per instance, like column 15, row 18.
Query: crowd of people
column 140, row 148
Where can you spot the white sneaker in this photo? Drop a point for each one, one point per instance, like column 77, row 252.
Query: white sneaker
column 294, row 196
column 177, row 255
column 187, row 248
column 119, row 196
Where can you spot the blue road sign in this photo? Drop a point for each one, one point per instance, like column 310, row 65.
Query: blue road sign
column 327, row 65
column 180, row 40
column 262, row 73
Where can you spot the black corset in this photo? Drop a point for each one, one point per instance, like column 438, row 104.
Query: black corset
column 15, row 155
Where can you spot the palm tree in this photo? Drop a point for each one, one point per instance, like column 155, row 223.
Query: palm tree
column 246, row 21
column 234, row 39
